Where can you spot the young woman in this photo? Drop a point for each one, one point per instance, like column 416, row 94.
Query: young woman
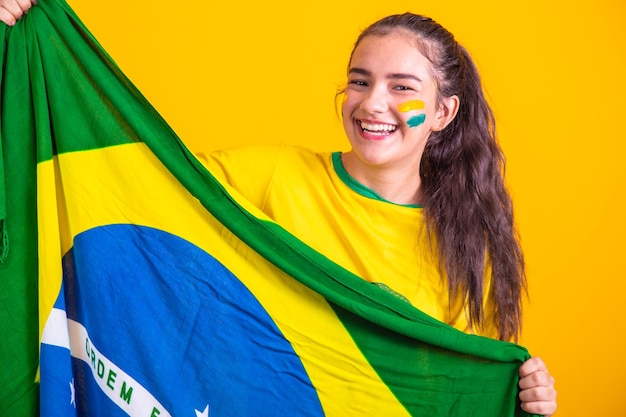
column 422, row 185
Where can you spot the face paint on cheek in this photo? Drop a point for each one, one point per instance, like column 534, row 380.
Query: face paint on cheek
column 410, row 106
column 416, row 120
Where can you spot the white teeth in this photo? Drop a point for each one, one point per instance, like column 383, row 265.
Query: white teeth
column 377, row 127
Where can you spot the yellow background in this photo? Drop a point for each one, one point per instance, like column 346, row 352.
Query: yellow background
column 244, row 72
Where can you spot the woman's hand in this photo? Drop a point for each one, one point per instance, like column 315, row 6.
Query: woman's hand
column 537, row 394
column 12, row 10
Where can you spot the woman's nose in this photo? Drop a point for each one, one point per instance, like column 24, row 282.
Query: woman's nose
column 375, row 101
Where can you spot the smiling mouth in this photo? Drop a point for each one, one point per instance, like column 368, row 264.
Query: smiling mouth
column 376, row 128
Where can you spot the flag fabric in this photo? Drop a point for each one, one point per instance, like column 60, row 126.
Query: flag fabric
column 19, row 335
column 135, row 283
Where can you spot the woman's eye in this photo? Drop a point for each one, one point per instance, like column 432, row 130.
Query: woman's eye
column 402, row 88
column 358, row 82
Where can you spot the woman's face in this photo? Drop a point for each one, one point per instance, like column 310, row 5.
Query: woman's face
column 390, row 105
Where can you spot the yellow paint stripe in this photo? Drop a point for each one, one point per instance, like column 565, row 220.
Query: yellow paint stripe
column 411, row 105
column 135, row 180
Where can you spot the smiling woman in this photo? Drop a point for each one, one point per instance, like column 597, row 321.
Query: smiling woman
column 418, row 204
column 390, row 109
column 425, row 166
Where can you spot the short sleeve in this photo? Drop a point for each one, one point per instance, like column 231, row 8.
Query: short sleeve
column 249, row 170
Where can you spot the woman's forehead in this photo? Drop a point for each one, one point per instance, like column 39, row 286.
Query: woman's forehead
column 390, row 52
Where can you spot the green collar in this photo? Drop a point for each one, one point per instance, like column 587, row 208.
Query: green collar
column 357, row 186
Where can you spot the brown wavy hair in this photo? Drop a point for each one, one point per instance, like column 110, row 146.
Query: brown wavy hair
column 467, row 207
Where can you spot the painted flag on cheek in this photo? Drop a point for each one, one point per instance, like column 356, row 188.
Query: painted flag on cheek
column 160, row 291
column 413, row 109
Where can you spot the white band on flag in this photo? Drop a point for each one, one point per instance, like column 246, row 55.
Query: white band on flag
column 116, row 384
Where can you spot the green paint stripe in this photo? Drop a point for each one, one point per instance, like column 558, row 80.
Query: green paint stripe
column 416, row 120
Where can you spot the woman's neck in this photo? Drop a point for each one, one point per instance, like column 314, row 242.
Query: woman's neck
column 399, row 185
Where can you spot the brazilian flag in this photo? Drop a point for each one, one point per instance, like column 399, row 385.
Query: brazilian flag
column 132, row 282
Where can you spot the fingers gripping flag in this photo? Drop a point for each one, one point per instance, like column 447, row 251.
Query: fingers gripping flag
column 162, row 292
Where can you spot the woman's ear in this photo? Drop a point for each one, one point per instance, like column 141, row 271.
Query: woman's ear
column 447, row 111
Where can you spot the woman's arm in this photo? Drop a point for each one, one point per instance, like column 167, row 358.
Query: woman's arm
column 537, row 394
column 12, row 10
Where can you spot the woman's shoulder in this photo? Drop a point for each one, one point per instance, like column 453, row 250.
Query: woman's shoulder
column 290, row 157
column 261, row 165
column 268, row 151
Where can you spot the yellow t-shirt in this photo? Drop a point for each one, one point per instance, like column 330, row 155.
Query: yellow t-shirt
column 312, row 197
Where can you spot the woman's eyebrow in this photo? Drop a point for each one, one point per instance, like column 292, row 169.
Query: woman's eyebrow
column 360, row 71
column 394, row 76
column 403, row 76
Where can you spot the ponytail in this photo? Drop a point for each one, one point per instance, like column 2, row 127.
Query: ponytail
column 469, row 209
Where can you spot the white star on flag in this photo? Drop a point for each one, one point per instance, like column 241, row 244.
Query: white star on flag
column 204, row 413
column 72, row 394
